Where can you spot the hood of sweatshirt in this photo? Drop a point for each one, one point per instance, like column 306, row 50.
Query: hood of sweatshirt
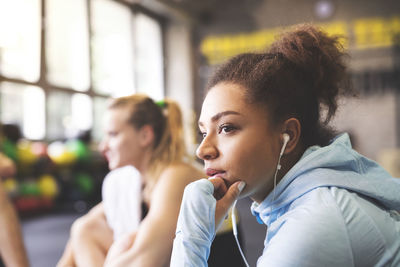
column 336, row 165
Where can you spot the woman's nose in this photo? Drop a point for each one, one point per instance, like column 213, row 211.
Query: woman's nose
column 207, row 150
column 102, row 145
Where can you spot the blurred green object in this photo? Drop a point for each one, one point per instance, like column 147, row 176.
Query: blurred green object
column 79, row 149
column 9, row 149
column 85, row 183
column 29, row 188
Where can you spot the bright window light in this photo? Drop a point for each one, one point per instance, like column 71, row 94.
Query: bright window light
column 70, row 114
column 59, row 119
column 20, row 39
column 24, row 106
column 149, row 57
column 100, row 106
column 34, row 113
column 81, row 107
column 67, row 44
column 11, row 103
column 113, row 71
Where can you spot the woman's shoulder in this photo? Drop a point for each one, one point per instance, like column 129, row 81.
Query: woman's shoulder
column 328, row 211
column 315, row 213
column 305, row 226
column 336, row 222
column 172, row 182
column 317, row 205
column 182, row 171
column 177, row 175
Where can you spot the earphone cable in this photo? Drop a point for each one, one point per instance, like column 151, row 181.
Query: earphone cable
column 278, row 167
column 234, row 228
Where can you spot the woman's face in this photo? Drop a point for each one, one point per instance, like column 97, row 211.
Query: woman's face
column 238, row 142
column 120, row 143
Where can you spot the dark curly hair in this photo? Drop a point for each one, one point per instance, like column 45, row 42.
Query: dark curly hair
column 301, row 75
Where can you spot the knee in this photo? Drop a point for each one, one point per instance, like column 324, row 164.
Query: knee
column 83, row 227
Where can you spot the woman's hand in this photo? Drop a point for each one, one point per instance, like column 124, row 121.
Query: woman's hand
column 204, row 205
column 225, row 197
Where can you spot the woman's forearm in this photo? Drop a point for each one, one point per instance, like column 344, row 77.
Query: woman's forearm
column 196, row 226
column 11, row 242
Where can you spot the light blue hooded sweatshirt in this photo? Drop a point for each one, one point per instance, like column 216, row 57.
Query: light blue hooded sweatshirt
column 333, row 208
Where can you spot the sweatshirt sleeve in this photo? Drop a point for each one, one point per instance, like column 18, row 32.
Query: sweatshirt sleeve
column 196, row 226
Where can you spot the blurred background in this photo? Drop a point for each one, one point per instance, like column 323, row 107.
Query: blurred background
column 60, row 60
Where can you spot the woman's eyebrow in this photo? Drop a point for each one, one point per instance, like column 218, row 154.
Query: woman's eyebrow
column 220, row 115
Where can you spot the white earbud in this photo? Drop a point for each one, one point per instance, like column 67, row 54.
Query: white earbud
column 286, row 139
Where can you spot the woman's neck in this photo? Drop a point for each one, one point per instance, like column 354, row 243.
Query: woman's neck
column 143, row 163
column 287, row 162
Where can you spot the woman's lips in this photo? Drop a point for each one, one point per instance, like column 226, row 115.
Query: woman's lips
column 212, row 173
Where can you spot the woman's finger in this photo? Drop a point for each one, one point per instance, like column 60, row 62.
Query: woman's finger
column 224, row 203
column 220, row 187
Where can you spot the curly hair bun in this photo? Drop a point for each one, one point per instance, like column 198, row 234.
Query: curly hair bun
column 321, row 58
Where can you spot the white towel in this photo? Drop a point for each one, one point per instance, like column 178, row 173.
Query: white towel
column 121, row 192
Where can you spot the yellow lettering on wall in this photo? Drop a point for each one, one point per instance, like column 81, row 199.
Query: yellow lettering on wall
column 219, row 48
column 372, row 33
column 361, row 34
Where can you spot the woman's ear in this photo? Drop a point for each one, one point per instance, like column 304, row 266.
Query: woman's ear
column 292, row 128
column 146, row 135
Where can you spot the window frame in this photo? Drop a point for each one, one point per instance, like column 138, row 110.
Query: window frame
column 49, row 88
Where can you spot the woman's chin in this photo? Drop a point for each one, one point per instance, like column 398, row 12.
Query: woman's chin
column 112, row 166
column 228, row 183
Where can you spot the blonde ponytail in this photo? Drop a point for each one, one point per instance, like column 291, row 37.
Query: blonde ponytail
column 165, row 117
column 171, row 147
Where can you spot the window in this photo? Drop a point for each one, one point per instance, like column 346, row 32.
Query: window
column 113, row 71
column 67, row 44
column 91, row 50
column 23, row 105
column 99, row 105
column 70, row 114
column 150, row 78
column 20, row 39
column 59, row 119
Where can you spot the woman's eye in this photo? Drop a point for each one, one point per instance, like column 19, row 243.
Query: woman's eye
column 226, row 129
column 112, row 133
column 202, row 134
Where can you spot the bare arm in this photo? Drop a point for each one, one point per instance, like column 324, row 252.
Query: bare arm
column 12, row 248
column 152, row 244
column 7, row 166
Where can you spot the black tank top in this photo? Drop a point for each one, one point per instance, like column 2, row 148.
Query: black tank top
column 145, row 210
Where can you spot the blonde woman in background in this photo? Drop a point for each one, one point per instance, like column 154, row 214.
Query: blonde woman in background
column 145, row 150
